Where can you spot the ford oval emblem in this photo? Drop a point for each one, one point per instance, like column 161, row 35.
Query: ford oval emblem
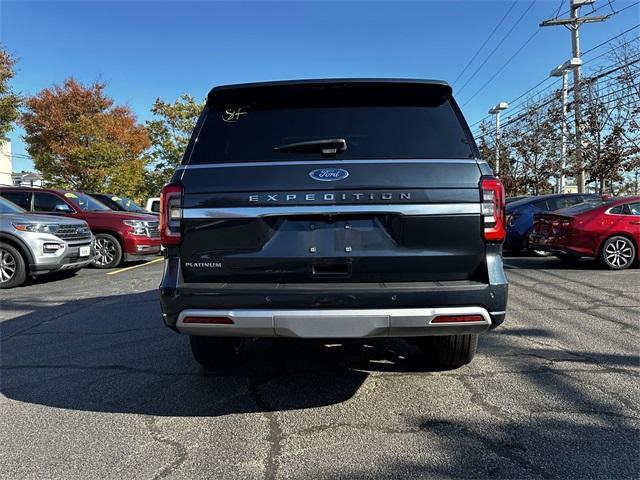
column 329, row 174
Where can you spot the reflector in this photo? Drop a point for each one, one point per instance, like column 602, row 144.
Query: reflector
column 457, row 318
column 209, row 320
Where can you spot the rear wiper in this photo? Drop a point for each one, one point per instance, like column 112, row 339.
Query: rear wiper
column 329, row 146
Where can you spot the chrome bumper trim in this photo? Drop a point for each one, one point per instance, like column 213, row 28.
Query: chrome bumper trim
column 397, row 209
column 401, row 322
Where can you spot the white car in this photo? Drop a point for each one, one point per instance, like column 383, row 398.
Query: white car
column 153, row 205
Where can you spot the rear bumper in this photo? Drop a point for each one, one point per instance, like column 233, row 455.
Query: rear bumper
column 561, row 245
column 332, row 323
column 313, row 300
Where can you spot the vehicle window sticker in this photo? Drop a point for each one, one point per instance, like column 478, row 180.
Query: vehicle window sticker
column 232, row 115
column 70, row 195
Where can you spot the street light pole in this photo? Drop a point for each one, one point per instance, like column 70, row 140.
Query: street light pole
column 563, row 145
column 563, row 70
column 496, row 110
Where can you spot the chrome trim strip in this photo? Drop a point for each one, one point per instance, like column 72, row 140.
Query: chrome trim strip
column 399, row 209
column 343, row 163
column 352, row 323
column 502, row 312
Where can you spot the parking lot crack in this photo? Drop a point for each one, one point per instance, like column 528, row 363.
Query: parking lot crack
column 180, row 451
column 508, row 449
column 478, row 398
column 274, row 436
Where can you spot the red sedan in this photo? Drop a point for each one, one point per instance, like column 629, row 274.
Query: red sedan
column 608, row 231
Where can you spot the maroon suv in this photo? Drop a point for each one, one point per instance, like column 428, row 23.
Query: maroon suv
column 120, row 236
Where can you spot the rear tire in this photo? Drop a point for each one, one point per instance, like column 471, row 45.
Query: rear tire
column 13, row 269
column 618, row 253
column 216, row 352
column 450, row 351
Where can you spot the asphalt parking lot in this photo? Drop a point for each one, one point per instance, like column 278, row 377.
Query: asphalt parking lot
column 93, row 385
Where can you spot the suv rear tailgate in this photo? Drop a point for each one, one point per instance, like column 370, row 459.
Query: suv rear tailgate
column 397, row 197
column 387, row 221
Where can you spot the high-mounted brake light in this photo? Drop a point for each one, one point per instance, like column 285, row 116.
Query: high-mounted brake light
column 493, row 210
column 171, row 214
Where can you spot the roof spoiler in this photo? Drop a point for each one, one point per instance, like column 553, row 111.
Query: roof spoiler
column 332, row 92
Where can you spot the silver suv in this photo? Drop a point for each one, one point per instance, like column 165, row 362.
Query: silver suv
column 37, row 244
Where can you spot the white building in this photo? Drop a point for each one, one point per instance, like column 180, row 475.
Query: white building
column 26, row 179
column 5, row 162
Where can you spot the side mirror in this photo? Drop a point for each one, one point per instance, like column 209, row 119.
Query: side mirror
column 62, row 207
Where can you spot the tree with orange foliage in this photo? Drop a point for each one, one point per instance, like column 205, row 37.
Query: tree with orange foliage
column 80, row 140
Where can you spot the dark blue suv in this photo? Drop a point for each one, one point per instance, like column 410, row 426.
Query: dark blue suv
column 333, row 209
column 520, row 215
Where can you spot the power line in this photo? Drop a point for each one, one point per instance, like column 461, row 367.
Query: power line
column 559, row 7
column 550, row 98
column 508, row 61
column 610, row 40
column 504, row 65
column 593, row 10
column 546, row 79
column 495, row 29
column 498, row 45
column 625, row 8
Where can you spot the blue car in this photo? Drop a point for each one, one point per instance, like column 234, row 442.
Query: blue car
column 520, row 215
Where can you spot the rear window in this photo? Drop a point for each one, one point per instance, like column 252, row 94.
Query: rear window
column 432, row 128
column 590, row 204
column 85, row 202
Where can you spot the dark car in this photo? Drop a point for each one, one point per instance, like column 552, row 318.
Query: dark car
column 120, row 236
column 119, row 203
column 606, row 230
column 515, row 199
column 333, row 209
column 520, row 216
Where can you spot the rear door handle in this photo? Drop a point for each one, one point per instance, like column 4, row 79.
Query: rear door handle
column 635, row 223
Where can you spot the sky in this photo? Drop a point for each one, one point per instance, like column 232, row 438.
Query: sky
column 149, row 49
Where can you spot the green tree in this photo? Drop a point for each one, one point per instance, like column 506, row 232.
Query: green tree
column 9, row 100
column 170, row 131
column 79, row 139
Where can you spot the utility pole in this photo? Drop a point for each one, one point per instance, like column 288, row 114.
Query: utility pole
column 573, row 24
column 496, row 111
column 563, row 71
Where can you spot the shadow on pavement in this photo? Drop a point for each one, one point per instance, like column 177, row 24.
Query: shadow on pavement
column 552, row 263
column 113, row 354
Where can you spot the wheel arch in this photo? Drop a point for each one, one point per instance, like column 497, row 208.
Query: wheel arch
column 19, row 245
column 113, row 233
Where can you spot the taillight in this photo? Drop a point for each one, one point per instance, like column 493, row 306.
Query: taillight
column 493, row 210
column 171, row 214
